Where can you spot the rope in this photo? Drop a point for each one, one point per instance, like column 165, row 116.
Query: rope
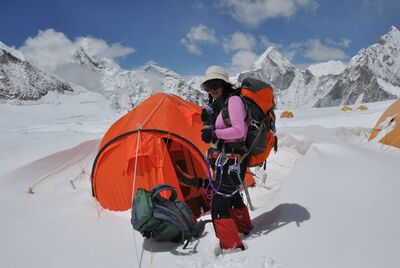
column 83, row 173
column 51, row 174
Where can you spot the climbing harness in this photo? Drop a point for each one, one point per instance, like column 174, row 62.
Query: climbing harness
column 220, row 161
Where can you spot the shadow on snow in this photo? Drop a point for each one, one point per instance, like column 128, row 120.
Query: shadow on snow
column 278, row 217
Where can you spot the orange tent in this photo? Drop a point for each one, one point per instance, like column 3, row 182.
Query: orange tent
column 388, row 126
column 143, row 148
column 287, row 114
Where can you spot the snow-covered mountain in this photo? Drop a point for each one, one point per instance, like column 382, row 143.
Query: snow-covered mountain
column 274, row 67
column 372, row 75
column 19, row 79
column 126, row 88
column 290, row 83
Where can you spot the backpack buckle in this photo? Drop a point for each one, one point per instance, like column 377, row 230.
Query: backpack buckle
column 234, row 168
column 254, row 123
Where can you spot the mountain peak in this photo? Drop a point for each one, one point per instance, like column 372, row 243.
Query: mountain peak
column 157, row 69
column 84, row 59
column 393, row 29
column 272, row 54
column 392, row 37
column 12, row 51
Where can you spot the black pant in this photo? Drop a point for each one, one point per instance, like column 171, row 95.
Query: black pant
column 221, row 204
column 227, row 184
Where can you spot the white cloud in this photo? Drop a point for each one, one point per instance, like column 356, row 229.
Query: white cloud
column 253, row 12
column 239, row 41
column 344, row 42
column 317, row 51
column 242, row 60
column 100, row 49
column 290, row 54
column 192, row 47
column 51, row 49
column 267, row 43
column 296, row 45
column 198, row 35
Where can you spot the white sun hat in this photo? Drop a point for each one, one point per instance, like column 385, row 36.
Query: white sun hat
column 216, row 72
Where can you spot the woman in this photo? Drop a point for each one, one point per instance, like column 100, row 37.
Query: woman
column 229, row 214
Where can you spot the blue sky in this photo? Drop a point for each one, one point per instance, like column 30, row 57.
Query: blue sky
column 187, row 36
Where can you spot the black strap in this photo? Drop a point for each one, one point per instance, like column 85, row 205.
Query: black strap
column 260, row 129
column 275, row 143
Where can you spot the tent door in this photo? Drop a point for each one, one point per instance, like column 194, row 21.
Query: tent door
column 183, row 158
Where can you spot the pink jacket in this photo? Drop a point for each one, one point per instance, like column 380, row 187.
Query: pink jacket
column 237, row 115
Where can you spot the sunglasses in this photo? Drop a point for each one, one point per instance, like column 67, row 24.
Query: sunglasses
column 213, row 85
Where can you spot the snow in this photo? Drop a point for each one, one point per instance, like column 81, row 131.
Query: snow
column 330, row 198
column 325, row 68
column 388, row 87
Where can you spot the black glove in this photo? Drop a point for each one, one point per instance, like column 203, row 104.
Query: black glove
column 204, row 116
column 207, row 135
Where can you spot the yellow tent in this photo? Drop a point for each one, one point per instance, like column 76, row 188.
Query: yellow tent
column 389, row 124
column 346, row 108
column 287, row 114
column 362, row 108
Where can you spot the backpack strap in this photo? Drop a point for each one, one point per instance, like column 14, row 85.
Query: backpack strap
column 225, row 111
column 225, row 115
column 177, row 213
column 164, row 187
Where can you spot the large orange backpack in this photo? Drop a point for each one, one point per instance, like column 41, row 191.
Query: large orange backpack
column 258, row 98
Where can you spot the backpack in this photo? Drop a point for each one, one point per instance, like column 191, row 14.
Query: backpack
column 258, row 98
column 164, row 219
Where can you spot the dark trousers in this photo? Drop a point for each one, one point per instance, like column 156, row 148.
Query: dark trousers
column 221, row 204
column 228, row 183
